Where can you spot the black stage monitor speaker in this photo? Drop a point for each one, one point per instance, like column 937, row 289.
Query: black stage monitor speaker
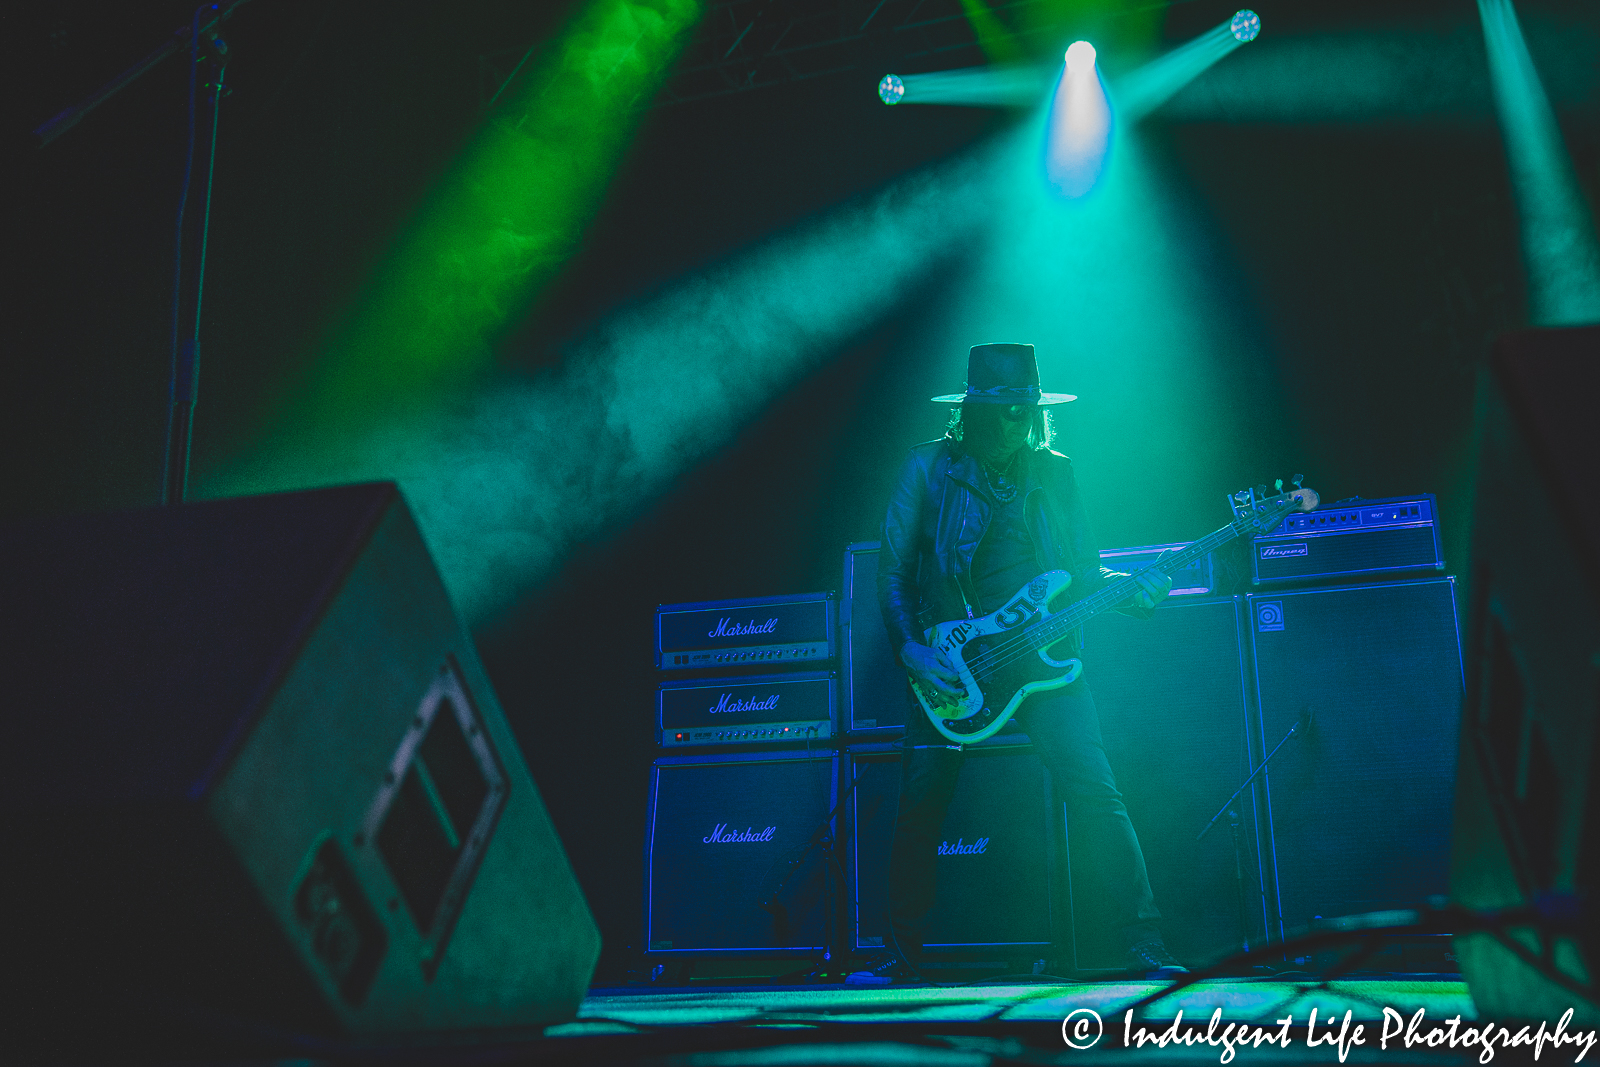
column 723, row 832
column 253, row 768
column 1171, row 692
column 1361, row 803
column 996, row 851
column 1527, row 819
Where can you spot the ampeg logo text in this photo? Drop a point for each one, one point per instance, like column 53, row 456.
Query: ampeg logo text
column 1283, row 551
column 723, row 629
column 731, row 703
column 720, row 835
column 959, row 849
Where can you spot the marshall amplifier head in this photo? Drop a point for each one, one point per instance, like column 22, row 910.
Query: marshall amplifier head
column 1197, row 579
column 1355, row 539
column 760, row 632
column 747, row 710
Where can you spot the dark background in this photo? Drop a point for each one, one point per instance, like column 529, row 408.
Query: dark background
column 1381, row 257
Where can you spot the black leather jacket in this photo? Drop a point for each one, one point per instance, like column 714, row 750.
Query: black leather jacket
column 937, row 515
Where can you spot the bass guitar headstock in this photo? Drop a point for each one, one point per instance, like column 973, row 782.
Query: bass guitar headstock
column 1260, row 509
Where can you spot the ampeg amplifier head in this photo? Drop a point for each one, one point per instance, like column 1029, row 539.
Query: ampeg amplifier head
column 773, row 631
column 1352, row 539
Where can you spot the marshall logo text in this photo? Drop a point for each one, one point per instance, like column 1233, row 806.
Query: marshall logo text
column 959, row 849
column 720, row 835
column 729, row 702
column 724, row 629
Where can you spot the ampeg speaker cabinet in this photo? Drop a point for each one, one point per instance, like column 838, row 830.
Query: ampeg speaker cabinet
column 775, row 631
column 995, row 854
column 1527, row 817
column 723, row 832
column 769, row 709
column 1361, row 804
column 1171, row 691
column 254, row 767
column 1362, row 538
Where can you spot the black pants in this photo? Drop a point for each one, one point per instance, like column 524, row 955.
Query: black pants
column 1065, row 729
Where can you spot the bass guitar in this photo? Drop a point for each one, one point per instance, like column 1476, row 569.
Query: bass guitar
column 1004, row 657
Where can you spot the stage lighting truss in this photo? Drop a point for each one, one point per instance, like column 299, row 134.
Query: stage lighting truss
column 742, row 45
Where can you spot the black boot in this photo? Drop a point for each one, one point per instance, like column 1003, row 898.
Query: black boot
column 1151, row 959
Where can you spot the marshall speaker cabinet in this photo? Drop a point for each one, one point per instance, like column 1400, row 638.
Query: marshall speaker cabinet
column 778, row 631
column 768, row 709
column 996, row 853
column 1171, row 692
column 1361, row 804
column 253, row 767
column 723, row 830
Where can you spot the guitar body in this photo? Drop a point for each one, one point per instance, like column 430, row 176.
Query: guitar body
column 1005, row 657
column 997, row 665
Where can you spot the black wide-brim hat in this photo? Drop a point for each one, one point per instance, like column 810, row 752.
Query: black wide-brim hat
column 1003, row 374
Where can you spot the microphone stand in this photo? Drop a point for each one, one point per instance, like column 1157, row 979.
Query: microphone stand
column 822, row 839
column 1228, row 808
column 1303, row 720
column 202, row 36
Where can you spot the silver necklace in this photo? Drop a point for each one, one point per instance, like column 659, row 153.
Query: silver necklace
column 1006, row 491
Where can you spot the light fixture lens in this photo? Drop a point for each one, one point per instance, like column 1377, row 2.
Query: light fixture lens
column 891, row 89
column 1080, row 57
column 1246, row 24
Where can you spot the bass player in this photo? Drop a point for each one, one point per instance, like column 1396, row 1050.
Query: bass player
column 972, row 518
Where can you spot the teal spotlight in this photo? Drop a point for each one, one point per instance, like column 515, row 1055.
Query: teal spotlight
column 891, row 89
column 1080, row 57
column 1078, row 126
column 1245, row 25
column 1559, row 249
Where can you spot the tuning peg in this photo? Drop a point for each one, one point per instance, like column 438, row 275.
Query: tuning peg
column 1277, row 486
column 1298, row 478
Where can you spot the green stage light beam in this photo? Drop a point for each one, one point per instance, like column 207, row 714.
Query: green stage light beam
column 1559, row 249
column 506, row 481
column 993, row 37
column 497, row 226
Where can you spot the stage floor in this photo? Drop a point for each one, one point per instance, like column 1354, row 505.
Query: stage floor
column 1018, row 1022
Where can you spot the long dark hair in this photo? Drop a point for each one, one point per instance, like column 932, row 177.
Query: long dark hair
column 1041, row 430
